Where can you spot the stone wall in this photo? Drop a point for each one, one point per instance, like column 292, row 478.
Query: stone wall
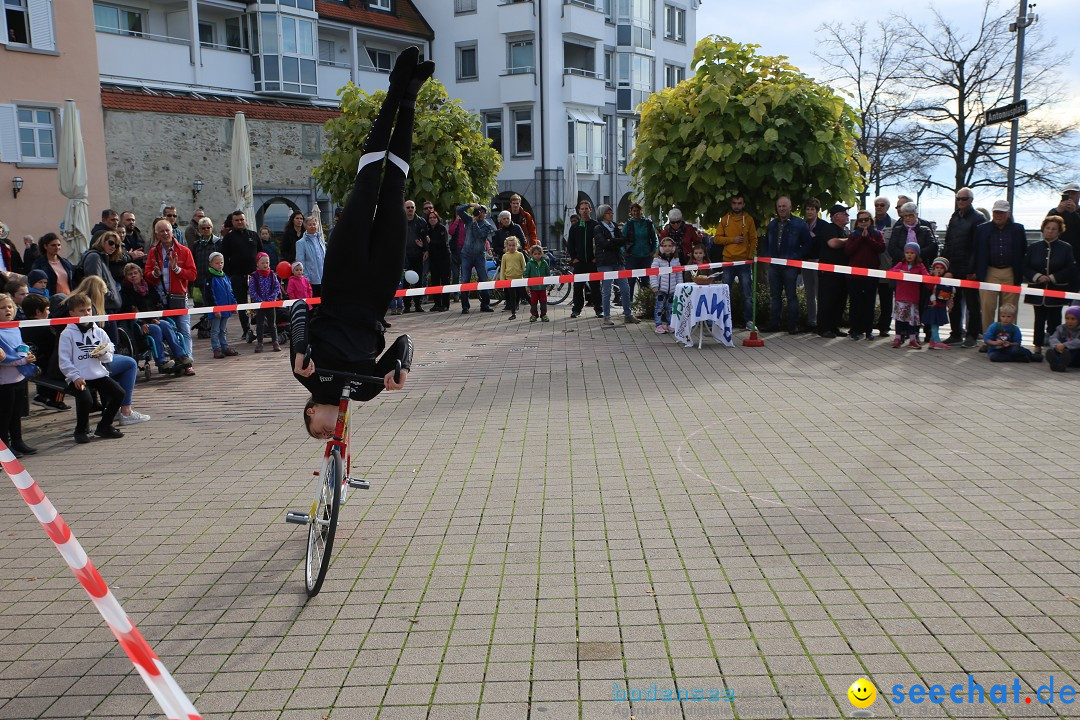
column 153, row 158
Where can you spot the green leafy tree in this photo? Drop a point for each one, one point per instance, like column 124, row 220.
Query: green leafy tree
column 452, row 161
column 745, row 123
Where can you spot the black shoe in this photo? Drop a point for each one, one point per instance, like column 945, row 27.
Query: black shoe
column 486, row 309
column 793, row 331
column 406, row 311
column 953, row 340
column 57, row 404
column 21, row 447
column 40, row 401
column 827, row 334
column 96, row 408
column 1036, row 356
column 464, row 311
column 855, row 336
column 970, row 341
column 883, row 333
column 108, row 431
column 81, row 437
column 575, row 314
column 384, row 324
column 841, row 333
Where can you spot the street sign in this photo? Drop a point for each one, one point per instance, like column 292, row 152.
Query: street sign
column 1006, row 112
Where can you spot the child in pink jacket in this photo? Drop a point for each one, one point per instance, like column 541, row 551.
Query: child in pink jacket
column 906, row 300
column 299, row 287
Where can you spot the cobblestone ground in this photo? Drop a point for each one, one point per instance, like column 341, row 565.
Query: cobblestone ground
column 561, row 515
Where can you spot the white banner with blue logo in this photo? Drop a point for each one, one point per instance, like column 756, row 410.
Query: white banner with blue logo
column 695, row 304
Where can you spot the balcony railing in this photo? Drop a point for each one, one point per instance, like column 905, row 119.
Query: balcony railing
column 582, row 72
column 524, row 70
column 589, row 4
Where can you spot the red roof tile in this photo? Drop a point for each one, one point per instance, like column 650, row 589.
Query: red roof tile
column 405, row 18
column 136, row 100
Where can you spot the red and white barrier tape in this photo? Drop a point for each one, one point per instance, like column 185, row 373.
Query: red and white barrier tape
column 926, row 279
column 168, row 694
column 577, row 278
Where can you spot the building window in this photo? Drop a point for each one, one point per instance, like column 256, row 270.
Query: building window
column 464, row 6
column 18, row 21
column 466, row 61
column 37, row 135
column 519, row 57
column 117, row 20
column 673, row 75
column 674, row 23
column 586, row 140
column 299, row 4
column 381, row 60
column 579, row 59
column 493, row 129
column 384, row 5
column 236, row 34
column 206, row 34
column 609, row 68
column 291, row 66
column 523, row 132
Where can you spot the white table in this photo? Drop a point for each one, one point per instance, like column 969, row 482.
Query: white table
column 694, row 304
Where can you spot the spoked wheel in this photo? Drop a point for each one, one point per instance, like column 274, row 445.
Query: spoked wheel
column 324, row 517
column 124, row 345
column 497, row 296
column 558, row 293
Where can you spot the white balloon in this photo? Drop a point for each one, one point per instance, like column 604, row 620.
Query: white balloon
column 411, row 277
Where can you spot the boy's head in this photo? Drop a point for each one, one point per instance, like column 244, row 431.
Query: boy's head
column 217, row 261
column 7, row 308
column 18, row 291
column 79, row 305
column 1007, row 314
column 537, row 252
column 36, row 307
column 320, row 419
column 1072, row 316
column 37, row 279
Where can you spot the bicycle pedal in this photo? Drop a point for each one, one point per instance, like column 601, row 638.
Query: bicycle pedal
column 297, row 518
column 358, row 483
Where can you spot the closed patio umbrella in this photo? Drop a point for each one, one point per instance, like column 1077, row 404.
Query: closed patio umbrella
column 72, row 180
column 243, row 191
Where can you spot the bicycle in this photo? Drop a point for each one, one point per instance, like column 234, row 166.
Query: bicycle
column 559, row 263
column 331, row 486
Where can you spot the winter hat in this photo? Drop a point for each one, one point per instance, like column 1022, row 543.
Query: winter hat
column 944, row 262
column 36, row 275
column 260, row 256
column 215, row 255
column 297, row 266
column 913, row 246
column 1074, row 311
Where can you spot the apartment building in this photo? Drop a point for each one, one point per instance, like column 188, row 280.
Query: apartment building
column 46, row 57
column 173, row 74
column 558, row 83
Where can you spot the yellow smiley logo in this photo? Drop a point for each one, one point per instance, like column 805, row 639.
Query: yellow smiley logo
column 862, row 693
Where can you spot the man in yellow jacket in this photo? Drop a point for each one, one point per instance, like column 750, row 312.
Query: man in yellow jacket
column 737, row 234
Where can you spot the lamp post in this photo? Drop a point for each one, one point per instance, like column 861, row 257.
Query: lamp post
column 1024, row 19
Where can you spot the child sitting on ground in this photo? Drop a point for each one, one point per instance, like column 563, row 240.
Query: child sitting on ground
column 664, row 285
column 83, row 349
column 938, row 304
column 1064, row 343
column 537, row 266
column 220, row 292
column 299, row 287
column 1004, row 340
column 264, row 286
column 512, row 267
column 906, row 299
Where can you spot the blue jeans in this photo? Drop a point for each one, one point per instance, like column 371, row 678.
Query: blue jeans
column 1013, row 353
column 605, row 291
column 782, row 279
column 745, row 273
column 124, row 370
column 183, row 332
column 163, row 334
column 219, row 339
column 479, row 264
column 637, row 263
column 662, row 313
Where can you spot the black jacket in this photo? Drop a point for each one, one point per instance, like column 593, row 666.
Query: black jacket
column 960, row 242
column 608, row 246
column 579, row 243
column 1018, row 247
column 1054, row 259
column 413, row 229
column 240, row 248
column 923, row 235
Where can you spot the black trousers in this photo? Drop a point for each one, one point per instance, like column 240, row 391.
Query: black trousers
column 861, row 312
column 415, row 263
column 1047, row 319
column 111, row 395
column 885, row 298
column 439, row 265
column 832, row 294
column 969, row 298
column 11, row 412
column 240, row 292
column 594, row 289
column 365, row 254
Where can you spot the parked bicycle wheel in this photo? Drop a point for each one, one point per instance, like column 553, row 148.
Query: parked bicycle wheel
column 559, row 293
column 323, row 525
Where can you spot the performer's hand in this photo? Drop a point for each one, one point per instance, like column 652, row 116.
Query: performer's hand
column 390, row 384
column 299, row 369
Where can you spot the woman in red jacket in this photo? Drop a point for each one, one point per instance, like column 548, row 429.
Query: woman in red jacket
column 169, row 269
column 863, row 247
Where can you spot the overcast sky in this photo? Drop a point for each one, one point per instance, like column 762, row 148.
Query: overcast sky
column 788, row 28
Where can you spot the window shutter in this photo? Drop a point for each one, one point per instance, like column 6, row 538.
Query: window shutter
column 3, row 28
column 41, row 25
column 9, row 134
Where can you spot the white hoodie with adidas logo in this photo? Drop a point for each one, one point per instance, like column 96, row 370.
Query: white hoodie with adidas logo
column 76, row 349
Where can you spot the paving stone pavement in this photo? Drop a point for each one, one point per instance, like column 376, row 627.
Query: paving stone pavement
column 561, row 515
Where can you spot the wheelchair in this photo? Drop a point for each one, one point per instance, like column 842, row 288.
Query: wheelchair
column 142, row 348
